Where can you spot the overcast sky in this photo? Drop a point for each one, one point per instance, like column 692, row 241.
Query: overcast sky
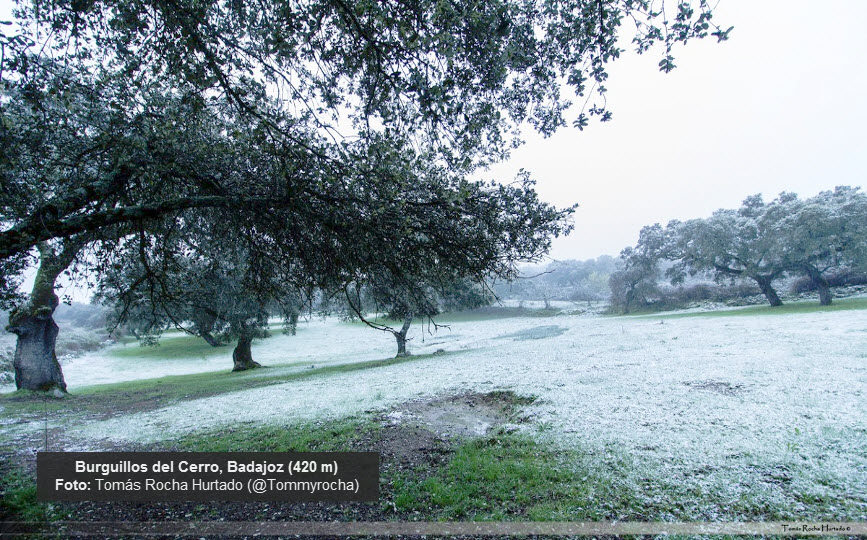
column 780, row 106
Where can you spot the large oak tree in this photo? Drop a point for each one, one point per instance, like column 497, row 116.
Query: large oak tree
column 333, row 132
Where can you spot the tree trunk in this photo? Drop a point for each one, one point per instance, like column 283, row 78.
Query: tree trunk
column 401, row 337
column 820, row 283
column 630, row 296
column 293, row 321
column 35, row 360
column 769, row 292
column 242, row 356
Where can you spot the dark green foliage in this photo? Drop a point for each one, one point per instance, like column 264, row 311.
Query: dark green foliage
column 824, row 235
column 763, row 241
column 453, row 80
column 458, row 75
column 200, row 283
column 730, row 243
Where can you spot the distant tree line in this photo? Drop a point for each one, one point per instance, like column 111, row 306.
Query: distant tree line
column 568, row 280
column 820, row 240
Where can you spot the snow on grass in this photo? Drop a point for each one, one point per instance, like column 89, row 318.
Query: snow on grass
column 757, row 407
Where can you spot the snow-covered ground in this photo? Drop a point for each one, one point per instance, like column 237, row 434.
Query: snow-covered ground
column 715, row 402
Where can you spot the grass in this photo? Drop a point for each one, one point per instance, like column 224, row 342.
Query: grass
column 18, row 500
column 335, row 436
column 512, row 476
column 175, row 344
column 501, row 477
column 169, row 348
column 789, row 308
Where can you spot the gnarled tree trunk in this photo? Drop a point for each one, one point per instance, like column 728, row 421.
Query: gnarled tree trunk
column 242, row 356
column 204, row 321
column 400, row 336
column 820, row 283
column 769, row 292
column 35, row 360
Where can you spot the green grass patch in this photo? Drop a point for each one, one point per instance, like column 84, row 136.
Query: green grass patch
column 334, row 436
column 18, row 499
column 171, row 348
column 513, row 477
column 789, row 308
column 491, row 479
column 174, row 344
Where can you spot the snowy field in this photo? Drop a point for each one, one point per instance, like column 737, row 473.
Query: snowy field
column 729, row 404
column 713, row 402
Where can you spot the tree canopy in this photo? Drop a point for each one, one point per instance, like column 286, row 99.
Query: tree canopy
column 328, row 80
column 459, row 76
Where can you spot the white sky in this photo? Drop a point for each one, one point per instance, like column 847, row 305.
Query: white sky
column 780, row 106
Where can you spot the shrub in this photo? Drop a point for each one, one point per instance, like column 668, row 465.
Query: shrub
column 846, row 278
column 7, row 371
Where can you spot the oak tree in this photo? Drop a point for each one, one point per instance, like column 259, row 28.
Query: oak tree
column 315, row 127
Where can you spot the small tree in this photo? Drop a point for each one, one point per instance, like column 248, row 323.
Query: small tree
column 637, row 278
column 398, row 301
